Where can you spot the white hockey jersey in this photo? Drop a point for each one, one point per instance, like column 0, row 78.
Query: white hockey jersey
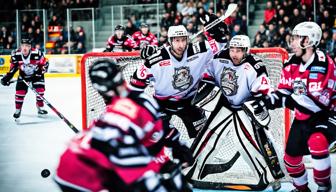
column 238, row 82
column 174, row 79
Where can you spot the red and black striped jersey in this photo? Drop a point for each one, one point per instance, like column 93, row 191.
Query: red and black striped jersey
column 308, row 86
column 33, row 63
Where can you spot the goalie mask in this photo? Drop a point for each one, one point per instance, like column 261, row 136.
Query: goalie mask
column 309, row 30
column 242, row 42
column 106, row 77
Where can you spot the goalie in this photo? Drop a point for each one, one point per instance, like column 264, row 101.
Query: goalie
column 240, row 77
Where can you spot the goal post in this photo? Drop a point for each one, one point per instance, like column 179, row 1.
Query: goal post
column 93, row 105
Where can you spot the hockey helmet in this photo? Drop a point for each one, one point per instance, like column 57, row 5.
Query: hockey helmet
column 308, row 29
column 105, row 76
column 177, row 31
column 241, row 41
column 26, row 40
column 119, row 27
column 144, row 25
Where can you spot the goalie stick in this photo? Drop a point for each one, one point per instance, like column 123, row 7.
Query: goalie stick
column 260, row 124
column 72, row 127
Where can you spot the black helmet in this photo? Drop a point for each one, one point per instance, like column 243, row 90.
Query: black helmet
column 26, row 40
column 144, row 25
column 105, row 76
column 119, row 27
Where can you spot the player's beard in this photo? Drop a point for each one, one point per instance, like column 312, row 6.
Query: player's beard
column 178, row 52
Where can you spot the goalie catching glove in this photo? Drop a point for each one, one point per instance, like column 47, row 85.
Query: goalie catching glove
column 147, row 51
column 219, row 31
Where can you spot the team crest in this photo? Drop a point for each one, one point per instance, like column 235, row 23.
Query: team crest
column 299, row 87
column 229, row 82
column 182, row 78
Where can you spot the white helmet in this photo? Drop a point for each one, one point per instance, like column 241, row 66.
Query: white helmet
column 308, row 29
column 242, row 41
column 177, row 31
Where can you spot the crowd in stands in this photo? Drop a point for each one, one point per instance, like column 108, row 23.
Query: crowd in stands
column 188, row 13
column 280, row 16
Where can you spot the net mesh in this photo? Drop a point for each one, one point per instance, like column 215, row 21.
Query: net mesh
column 273, row 59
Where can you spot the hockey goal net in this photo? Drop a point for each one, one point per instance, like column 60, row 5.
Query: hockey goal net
column 93, row 105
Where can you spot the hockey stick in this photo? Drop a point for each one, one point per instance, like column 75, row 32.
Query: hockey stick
column 231, row 8
column 52, row 107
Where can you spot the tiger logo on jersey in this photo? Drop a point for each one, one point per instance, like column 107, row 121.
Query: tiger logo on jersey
column 182, row 78
column 229, row 79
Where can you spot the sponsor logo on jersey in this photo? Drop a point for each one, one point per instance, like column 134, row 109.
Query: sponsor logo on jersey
column 318, row 69
column 223, row 61
column 315, row 86
column 325, row 98
column 299, row 87
column 164, row 63
column 192, row 58
column 182, row 78
column 229, row 81
column 313, row 76
column 151, row 61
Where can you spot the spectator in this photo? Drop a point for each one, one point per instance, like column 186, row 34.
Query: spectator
column 180, row 5
column 54, row 21
column 327, row 19
column 166, row 21
column 10, row 43
column 324, row 40
column 38, row 36
column 4, row 34
column 331, row 45
column 130, row 27
column 80, row 35
column 191, row 29
column 189, row 9
column 296, row 18
column 269, row 13
column 236, row 30
column 80, row 49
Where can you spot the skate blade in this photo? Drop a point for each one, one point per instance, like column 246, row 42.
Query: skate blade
column 17, row 120
column 276, row 185
column 42, row 115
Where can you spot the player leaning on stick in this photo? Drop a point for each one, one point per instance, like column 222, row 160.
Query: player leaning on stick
column 32, row 65
column 306, row 86
column 176, row 71
column 119, row 151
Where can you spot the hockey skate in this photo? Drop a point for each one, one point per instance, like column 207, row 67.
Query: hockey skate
column 325, row 188
column 17, row 114
column 41, row 112
column 297, row 190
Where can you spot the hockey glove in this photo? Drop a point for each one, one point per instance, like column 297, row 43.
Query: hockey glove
column 5, row 81
column 258, row 112
column 147, row 51
column 219, row 31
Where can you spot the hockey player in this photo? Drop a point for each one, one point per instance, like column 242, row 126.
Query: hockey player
column 240, row 77
column 144, row 37
column 176, row 71
column 118, row 151
column 306, row 86
column 32, row 65
column 119, row 42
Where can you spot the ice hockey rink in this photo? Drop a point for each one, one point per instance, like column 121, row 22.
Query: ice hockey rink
column 34, row 144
